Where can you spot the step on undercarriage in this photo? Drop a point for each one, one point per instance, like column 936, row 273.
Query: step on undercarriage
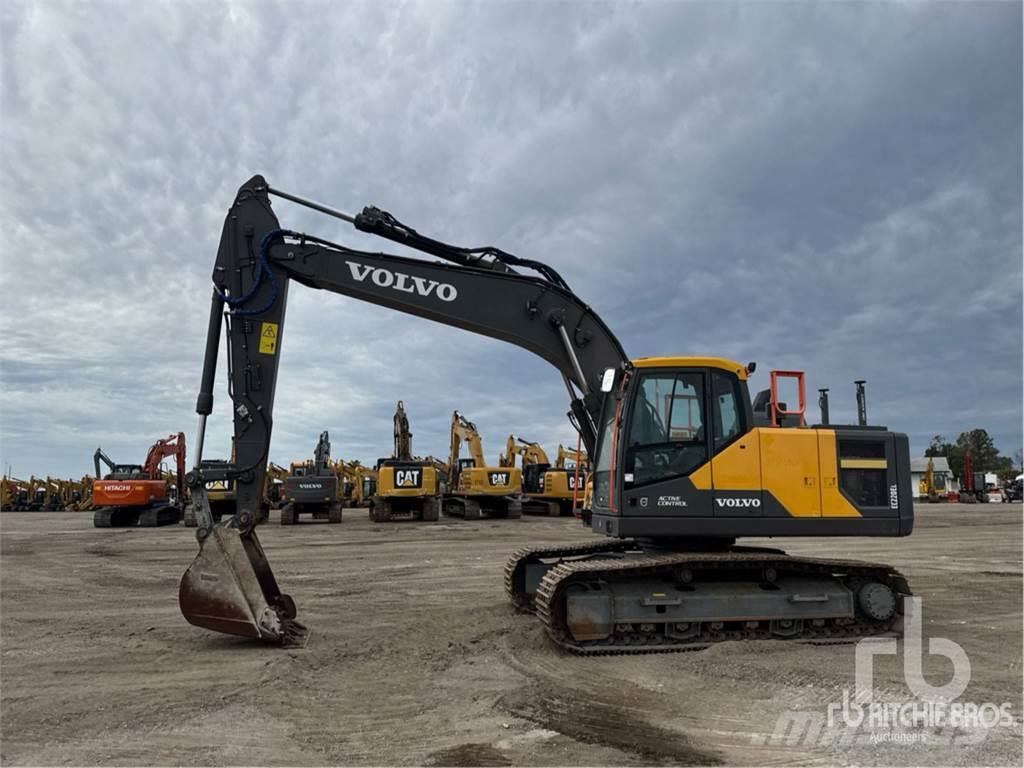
column 617, row 597
column 474, row 507
column 384, row 509
column 141, row 517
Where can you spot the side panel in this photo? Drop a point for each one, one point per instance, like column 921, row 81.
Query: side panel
column 127, row 493
column 868, row 471
column 789, row 471
column 311, row 489
column 833, row 502
column 677, row 497
column 408, row 479
column 736, row 475
column 490, row 481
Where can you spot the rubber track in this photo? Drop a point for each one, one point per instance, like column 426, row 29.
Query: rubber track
column 519, row 559
column 549, row 605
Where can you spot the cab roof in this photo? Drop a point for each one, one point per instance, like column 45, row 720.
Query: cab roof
column 693, row 362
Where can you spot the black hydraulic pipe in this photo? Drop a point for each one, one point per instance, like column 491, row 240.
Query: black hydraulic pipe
column 862, row 405
column 204, row 403
column 823, row 404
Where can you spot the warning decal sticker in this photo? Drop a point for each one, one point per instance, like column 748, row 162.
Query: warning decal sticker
column 268, row 339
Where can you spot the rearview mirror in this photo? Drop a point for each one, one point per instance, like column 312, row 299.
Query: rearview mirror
column 608, row 380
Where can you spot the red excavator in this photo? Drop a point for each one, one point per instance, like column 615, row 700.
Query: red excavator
column 140, row 495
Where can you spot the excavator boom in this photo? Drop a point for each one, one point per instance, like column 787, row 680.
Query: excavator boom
column 230, row 587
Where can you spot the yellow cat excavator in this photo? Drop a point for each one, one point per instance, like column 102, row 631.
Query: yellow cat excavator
column 13, row 494
column 474, row 487
column 548, row 489
column 406, row 484
column 364, row 483
column 684, row 461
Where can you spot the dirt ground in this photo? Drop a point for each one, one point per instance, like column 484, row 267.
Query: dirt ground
column 416, row 658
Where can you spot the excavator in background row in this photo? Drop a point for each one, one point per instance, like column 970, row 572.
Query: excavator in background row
column 928, row 485
column 313, row 487
column 38, row 491
column 138, row 494
column 360, row 483
column 13, row 494
column 221, row 493
column 45, row 495
column 273, row 486
column 547, row 488
column 474, row 488
column 78, row 494
column 684, row 462
column 406, row 484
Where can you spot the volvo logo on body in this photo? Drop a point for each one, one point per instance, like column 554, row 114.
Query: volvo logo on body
column 399, row 281
column 311, row 486
column 734, row 502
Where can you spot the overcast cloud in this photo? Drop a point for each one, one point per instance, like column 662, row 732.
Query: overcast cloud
column 833, row 188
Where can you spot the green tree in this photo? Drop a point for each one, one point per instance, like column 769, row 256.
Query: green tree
column 985, row 455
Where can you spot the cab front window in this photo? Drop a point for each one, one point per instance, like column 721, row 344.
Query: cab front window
column 666, row 432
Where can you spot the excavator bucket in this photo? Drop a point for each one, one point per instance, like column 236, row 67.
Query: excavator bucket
column 230, row 588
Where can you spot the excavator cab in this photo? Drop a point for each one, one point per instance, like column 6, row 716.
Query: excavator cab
column 684, row 453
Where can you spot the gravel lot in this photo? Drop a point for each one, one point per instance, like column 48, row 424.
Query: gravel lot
column 416, row 658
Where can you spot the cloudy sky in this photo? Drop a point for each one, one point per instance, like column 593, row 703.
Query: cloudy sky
column 833, row 188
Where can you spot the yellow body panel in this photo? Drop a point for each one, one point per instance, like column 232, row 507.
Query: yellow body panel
column 833, row 503
column 692, row 362
column 474, row 481
column 789, row 469
column 386, row 483
column 738, row 466
column 557, row 485
column 701, row 477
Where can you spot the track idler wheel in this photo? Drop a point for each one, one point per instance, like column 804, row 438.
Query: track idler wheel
column 230, row 588
column 876, row 600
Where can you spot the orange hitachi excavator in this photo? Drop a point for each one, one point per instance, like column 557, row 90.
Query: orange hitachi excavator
column 138, row 494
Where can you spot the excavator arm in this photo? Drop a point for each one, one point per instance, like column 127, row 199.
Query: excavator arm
column 508, row 457
column 476, row 289
column 464, row 431
column 403, row 437
column 172, row 445
column 99, row 456
column 532, row 453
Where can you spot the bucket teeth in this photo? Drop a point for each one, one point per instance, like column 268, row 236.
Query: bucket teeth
column 230, row 588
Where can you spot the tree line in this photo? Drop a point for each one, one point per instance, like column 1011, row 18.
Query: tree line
column 985, row 456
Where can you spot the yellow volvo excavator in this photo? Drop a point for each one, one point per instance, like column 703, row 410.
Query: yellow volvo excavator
column 474, row 487
column 406, row 484
column 684, row 462
column 314, row 487
column 548, row 489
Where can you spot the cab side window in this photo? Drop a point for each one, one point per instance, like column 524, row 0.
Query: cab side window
column 727, row 419
column 667, row 437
